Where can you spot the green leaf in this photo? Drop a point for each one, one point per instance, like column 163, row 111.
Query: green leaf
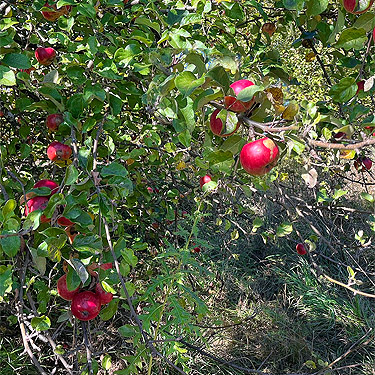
column 129, row 257
column 73, row 281
column 53, row 202
column 32, row 220
column 110, row 310
column 114, row 169
column 75, row 105
column 8, row 208
column 221, row 161
column 7, row 77
column 294, row 4
column 365, row 21
column 186, row 82
column 106, row 361
column 220, row 76
column 5, row 280
column 344, row 90
column 257, row 223
column 339, row 193
column 209, row 186
column 197, row 60
column 339, row 25
column 233, row 144
column 88, row 243
column 284, row 229
column 352, row 38
column 87, row 10
column 248, row 93
column 127, row 331
column 315, row 7
column 41, row 323
column 10, row 245
column 17, row 60
column 368, row 197
column 71, row 175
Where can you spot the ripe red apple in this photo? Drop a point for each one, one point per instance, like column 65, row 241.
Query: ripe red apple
column 197, row 249
column 216, row 125
column 105, row 297
column 204, row 180
column 232, row 103
column 55, row 13
column 53, row 121
column 47, row 183
column 58, row 151
column 45, row 56
column 357, row 6
column 301, row 249
column 63, row 290
column 37, row 203
column 259, row 157
column 363, row 162
column 85, row 305
column 150, row 189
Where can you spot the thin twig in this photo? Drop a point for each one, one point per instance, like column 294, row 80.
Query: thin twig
column 19, row 309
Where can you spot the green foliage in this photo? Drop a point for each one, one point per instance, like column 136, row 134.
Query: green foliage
column 136, row 83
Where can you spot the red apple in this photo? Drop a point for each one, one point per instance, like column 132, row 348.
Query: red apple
column 53, row 121
column 197, row 249
column 63, row 290
column 37, row 203
column 47, row 183
column 204, row 180
column 55, row 13
column 85, row 305
column 58, row 151
column 357, row 6
column 45, row 56
column 150, row 190
column 301, row 249
column 216, row 125
column 105, row 297
column 232, row 103
column 259, row 157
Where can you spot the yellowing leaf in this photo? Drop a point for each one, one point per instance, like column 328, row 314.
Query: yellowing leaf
column 181, row 165
column 290, row 111
column 275, row 95
column 279, row 109
column 310, row 56
column 347, row 154
column 63, row 163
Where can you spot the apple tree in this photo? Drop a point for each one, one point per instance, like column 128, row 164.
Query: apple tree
column 112, row 111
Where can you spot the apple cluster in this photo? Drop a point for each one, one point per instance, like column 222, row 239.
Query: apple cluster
column 86, row 304
column 257, row 157
column 35, row 202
